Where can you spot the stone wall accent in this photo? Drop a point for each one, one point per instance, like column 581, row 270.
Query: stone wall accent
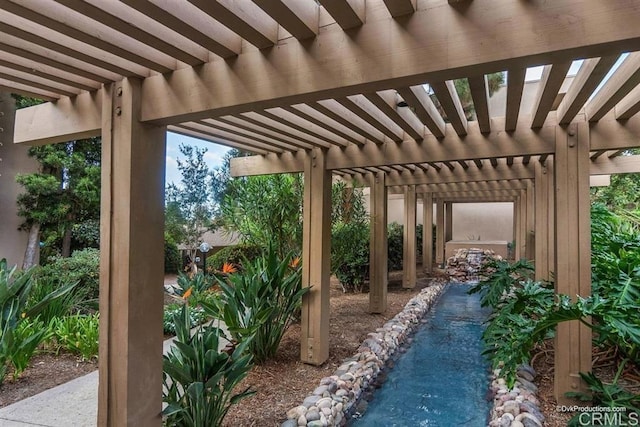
column 467, row 263
column 518, row 407
column 337, row 396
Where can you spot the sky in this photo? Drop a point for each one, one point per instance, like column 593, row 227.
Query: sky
column 213, row 157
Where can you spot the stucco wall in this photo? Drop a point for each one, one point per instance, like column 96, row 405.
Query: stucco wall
column 14, row 160
column 487, row 221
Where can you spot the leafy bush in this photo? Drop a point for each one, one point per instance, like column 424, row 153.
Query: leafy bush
column 172, row 261
column 262, row 300
column 350, row 254
column 58, row 307
column 78, row 334
column 199, row 380
column 82, row 267
column 234, row 255
column 17, row 341
column 196, row 317
column 608, row 396
column 395, row 247
column 23, row 342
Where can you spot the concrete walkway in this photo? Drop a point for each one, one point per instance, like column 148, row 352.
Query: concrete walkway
column 72, row 404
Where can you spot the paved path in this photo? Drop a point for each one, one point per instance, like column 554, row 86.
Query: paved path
column 73, row 404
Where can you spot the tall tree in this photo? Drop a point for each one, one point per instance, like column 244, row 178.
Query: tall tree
column 189, row 204
column 64, row 193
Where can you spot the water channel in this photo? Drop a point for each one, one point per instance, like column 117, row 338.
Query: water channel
column 442, row 379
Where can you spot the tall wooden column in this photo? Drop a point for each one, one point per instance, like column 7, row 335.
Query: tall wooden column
column 440, row 232
column 522, row 230
column 448, row 222
column 409, row 242
column 530, row 226
column 551, row 216
column 541, row 187
column 131, row 262
column 316, row 241
column 427, row 232
column 517, row 221
column 573, row 253
column 378, row 274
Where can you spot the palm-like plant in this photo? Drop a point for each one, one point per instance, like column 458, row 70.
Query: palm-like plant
column 260, row 301
column 198, row 379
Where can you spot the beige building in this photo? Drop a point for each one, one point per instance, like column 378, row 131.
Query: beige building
column 13, row 160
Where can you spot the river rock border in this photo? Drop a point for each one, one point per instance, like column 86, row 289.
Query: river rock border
column 518, row 407
column 337, row 396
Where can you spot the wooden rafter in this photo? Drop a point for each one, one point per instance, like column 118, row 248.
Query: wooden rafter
column 186, row 19
column 310, row 114
column 515, row 85
column 243, row 18
column 552, row 78
column 387, row 102
column 623, row 80
column 194, row 130
column 480, row 95
column 400, row 7
column 589, row 76
column 298, row 18
column 347, row 13
column 263, row 130
column 363, row 108
column 450, row 102
column 304, row 126
column 347, row 118
column 422, row 105
column 629, row 105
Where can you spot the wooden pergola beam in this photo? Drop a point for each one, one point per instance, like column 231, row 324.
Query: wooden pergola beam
column 347, row 13
column 552, row 78
column 515, row 86
column 589, row 76
column 480, row 95
column 243, row 18
column 623, row 80
column 422, row 105
column 400, row 7
column 386, row 55
column 297, row 17
column 189, row 21
column 450, row 102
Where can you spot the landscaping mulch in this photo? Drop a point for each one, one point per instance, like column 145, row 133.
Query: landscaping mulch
column 44, row 372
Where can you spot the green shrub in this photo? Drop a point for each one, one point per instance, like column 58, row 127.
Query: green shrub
column 172, row 261
column 262, row 300
column 350, row 254
column 78, row 334
column 82, row 267
column 18, row 339
column 58, row 307
column 199, row 380
column 234, row 255
column 196, row 317
column 394, row 246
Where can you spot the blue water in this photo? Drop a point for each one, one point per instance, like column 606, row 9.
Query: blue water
column 442, row 379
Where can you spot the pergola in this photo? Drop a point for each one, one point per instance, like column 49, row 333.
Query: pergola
column 324, row 87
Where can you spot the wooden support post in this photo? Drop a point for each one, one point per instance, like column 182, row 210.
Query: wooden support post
column 541, row 187
column 517, row 219
column 378, row 274
column 316, row 241
column 427, row 232
column 523, row 224
column 409, row 242
column 530, row 225
column 448, row 222
column 551, row 217
column 573, row 254
column 131, row 261
column 440, row 232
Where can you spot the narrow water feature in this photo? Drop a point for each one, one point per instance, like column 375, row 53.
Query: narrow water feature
column 442, row 379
